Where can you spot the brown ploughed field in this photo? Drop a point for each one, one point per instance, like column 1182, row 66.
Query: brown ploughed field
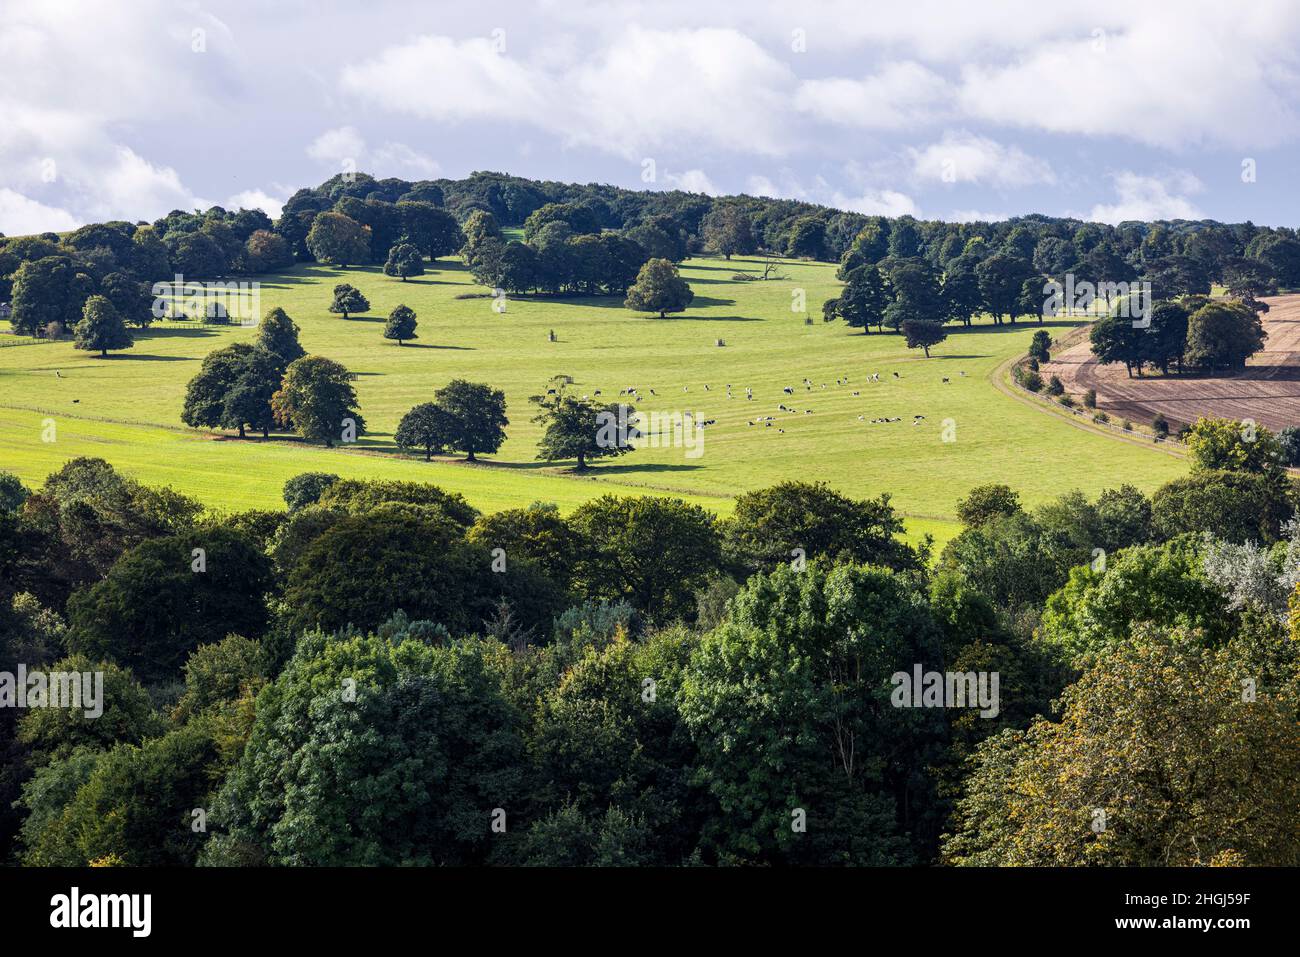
column 1267, row 391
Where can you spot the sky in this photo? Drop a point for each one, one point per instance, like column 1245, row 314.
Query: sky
column 1108, row 111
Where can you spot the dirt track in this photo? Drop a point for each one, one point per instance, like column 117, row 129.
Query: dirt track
column 1268, row 390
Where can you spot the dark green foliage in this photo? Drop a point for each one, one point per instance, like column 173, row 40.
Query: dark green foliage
column 153, row 608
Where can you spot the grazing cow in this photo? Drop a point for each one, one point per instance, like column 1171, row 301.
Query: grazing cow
column 788, row 391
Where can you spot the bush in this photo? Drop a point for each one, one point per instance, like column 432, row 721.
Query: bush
column 1160, row 426
column 1032, row 381
column 1067, row 401
column 1126, row 425
column 1090, row 398
column 1054, row 386
column 1101, row 418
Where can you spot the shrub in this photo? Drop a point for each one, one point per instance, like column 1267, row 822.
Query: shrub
column 1160, row 426
column 1054, row 386
column 1090, row 398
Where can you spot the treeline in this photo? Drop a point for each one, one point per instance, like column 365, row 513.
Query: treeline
column 382, row 675
column 588, row 239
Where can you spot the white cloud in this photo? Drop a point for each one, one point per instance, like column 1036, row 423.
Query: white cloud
column 647, row 89
column 1201, row 74
column 692, row 181
column 344, row 148
column 1149, row 198
column 398, row 157
column 439, row 78
column 256, row 199
column 884, row 202
column 710, row 88
column 901, row 96
column 20, row 216
column 967, row 158
column 338, row 146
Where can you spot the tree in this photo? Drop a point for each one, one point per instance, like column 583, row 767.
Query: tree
column 338, row 240
column 1001, row 279
column 475, row 416
column 205, row 395
column 582, row 429
column 659, row 288
column 788, row 703
column 1154, row 743
column 101, row 328
column 315, row 399
column 1166, row 338
column 862, row 300
column 428, row 748
column 47, row 291
column 1040, row 346
column 265, row 251
column 424, row 427
column 1161, row 585
column 914, row 285
column 960, row 291
column 410, row 557
column 1223, row 335
column 769, row 524
column 539, row 533
column 247, row 404
column 432, row 230
column 404, row 260
column 1114, row 339
column 1225, row 444
column 923, row 333
column 400, row 324
column 984, row 502
column 1233, row 506
column 12, row 492
column 728, row 230
column 278, row 335
column 196, row 255
column 348, row 299
column 131, row 298
column 156, row 605
column 649, row 551
column 306, row 488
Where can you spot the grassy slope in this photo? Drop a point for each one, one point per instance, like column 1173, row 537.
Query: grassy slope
column 606, row 347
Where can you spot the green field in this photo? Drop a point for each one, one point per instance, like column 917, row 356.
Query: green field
column 126, row 408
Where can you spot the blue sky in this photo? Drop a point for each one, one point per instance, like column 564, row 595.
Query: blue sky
column 1120, row 110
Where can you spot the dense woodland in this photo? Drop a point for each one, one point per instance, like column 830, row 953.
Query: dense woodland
column 380, row 674
column 580, row 240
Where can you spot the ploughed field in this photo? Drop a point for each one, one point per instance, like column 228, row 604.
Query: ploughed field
column 1267, row 390
column 937, row 439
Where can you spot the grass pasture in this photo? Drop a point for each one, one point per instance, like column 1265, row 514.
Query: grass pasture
column 127, row 408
